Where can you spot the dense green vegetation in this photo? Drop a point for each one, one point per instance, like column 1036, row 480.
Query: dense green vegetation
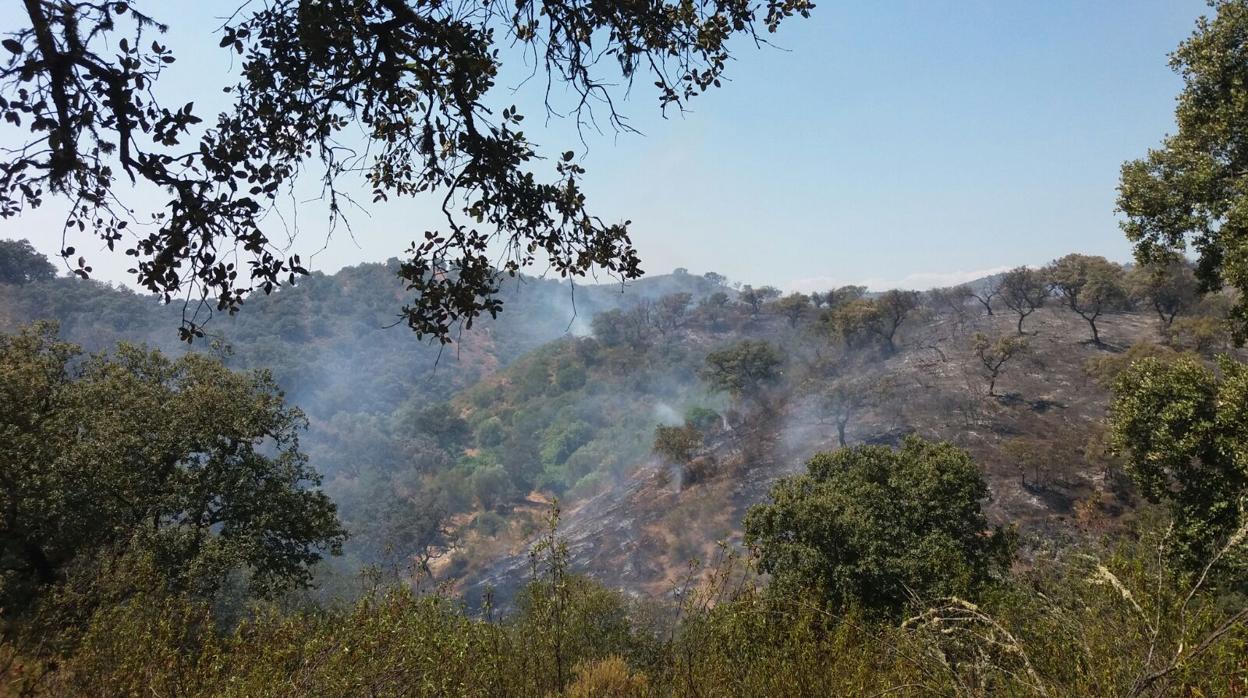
column 875, row 528
column 134, row 460
column 1085, row 622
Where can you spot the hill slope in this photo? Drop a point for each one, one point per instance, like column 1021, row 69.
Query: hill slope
column 1040, row 441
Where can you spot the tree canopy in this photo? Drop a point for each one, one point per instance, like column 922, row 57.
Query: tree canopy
column 21, row 263
column 743, row 370
column 1189, row 191
column 1169, row 287
column 1023, row 290
column 80, row 91
column 197, row 466
column 1090, row 286
column 873, row 526
column 1184, row 431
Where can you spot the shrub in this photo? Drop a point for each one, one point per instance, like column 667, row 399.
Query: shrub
column 607, row 678
column 873, row 526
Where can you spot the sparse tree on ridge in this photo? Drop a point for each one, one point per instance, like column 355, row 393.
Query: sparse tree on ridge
column 756, row 298
column 994, row 355
column 893, row 308
column 1089, row 285
column 1169, row 288
column 713, row 310
column 793, row 307
column 745, row 370
column 842, row 401
column 986, row 290
column 671, row 310
column 844, row 295
column 879, row 318
column 952, row 300
column 1024, row 291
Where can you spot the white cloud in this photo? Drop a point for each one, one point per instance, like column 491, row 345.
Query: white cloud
column 920, row 281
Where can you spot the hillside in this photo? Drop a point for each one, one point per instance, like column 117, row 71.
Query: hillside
column 443, row 460
column 332, row 345
column 1040, row 442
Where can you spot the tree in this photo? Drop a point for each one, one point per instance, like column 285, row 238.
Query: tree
column 1188, row 191
column 756, row 298
column 985, row 290
column 842, row 400
column 744, row 370
column 1184, row 431
column 196, row 465
column 892, row 309
column 21, row 263
column 677, row 444
column 851, row 322
column 874, row 527
column 492, row 487
column 1168, row 287
column 617, row 327
column 952, row 300
column 878, row 317
column 440, row 422
column 793, row 307
column 838, row 297
column 671, row 310
column 1089, row 285
column 994, row 355
column 410, row 79
column 405, row 524
column 1024, row 291
column 713, row 310
column 1202, row 334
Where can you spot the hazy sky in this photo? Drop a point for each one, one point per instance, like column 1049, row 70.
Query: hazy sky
column 888, row 143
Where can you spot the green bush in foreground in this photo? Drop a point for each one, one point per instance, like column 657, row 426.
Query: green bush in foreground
column 1114, row 622
column 877, row 527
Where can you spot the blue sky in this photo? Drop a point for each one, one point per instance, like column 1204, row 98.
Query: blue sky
column 889, row 143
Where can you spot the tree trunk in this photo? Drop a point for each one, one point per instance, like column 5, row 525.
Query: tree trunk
column 39, row 562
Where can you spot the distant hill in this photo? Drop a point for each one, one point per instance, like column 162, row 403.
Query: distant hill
column 331, row 340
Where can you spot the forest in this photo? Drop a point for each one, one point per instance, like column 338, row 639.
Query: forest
column 450, row 473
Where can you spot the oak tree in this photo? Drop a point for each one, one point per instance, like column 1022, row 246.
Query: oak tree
column 192, row 463
column 1168, row 287
column 1184, row 431
column 994, row 355
column 1024, row 291
column 1089, row 285
column 876, row 527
